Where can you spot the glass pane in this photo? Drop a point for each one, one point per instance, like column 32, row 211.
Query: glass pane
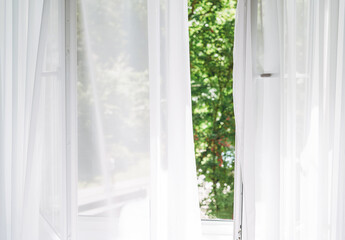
column 113, row 120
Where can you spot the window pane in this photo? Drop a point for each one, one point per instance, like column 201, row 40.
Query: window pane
column 113, row 119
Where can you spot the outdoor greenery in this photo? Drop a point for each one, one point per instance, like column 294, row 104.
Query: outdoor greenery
column 211, row 32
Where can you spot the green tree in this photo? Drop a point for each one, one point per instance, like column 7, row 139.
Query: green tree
column 211, row 32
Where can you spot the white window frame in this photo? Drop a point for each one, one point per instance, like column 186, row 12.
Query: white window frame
column 71, row 116
column 217, row 229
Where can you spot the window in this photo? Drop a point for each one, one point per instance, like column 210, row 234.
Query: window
column 113, row 102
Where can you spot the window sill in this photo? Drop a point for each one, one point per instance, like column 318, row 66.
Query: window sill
column 91, row 228
column 217, row 229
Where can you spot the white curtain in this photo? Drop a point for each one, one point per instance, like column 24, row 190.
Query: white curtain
column 32, row 139
column 137, row 174
column 290, row 118
column 136, row 169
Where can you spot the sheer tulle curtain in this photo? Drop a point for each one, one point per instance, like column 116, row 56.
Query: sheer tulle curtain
column 136, row 169
column 290, row 111
column 137, row 174
column 32, row 161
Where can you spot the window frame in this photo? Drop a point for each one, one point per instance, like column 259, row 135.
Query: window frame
column 71, row 116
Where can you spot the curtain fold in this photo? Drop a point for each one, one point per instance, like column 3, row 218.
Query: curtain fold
column 290, row 127
column 32, row 133
column 172, row 148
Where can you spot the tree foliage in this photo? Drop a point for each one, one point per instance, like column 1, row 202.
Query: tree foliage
column 211, row 31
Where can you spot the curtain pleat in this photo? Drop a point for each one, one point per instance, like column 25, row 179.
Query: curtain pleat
column 30, row 36
column 173, row 176
column 297, row 173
